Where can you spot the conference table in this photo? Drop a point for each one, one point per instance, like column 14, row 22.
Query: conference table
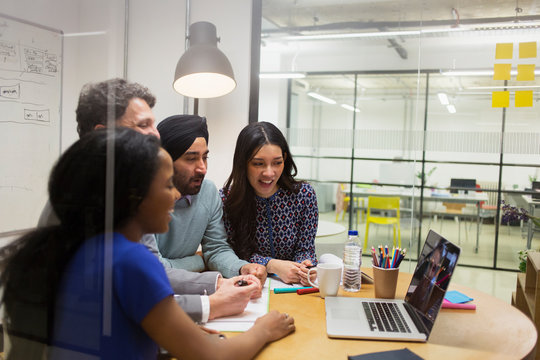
column 495, row 330
column 409, row 194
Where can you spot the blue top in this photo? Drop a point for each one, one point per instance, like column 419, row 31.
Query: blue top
column 102, row 318
column 286, row 226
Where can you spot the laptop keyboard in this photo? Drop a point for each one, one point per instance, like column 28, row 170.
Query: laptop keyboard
column 385, row 317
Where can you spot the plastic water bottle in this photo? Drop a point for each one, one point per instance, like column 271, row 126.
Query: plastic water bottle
column 352, row 261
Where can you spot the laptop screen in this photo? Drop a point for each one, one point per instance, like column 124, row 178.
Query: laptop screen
column 536, row 190
column 431, row 277
column 462, row 183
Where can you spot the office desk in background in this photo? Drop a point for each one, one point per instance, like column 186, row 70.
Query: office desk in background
column 408, row 195
column 495, row 330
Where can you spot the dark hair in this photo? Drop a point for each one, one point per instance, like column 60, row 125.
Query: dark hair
column 98, row 101
column 178, row 133
column 240, row 204
column 78, row 187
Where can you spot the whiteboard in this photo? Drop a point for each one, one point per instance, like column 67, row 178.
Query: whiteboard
column 30, row 118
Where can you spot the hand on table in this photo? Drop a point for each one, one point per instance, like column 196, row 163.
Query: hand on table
column 231, row 299
column 274, row 325
column 290, row 272
column 257, row 270
column 304, row 267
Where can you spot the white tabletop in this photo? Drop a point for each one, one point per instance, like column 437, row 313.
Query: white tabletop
column 327, row 228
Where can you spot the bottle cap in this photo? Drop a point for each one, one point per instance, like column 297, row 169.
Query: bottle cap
column 353, row 232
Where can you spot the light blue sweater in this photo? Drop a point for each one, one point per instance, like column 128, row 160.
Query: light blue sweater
column 199, row 223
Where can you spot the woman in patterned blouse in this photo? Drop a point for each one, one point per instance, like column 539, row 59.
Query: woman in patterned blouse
column 270, row 218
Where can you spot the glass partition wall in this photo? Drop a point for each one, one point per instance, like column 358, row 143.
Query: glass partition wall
column 426, row 127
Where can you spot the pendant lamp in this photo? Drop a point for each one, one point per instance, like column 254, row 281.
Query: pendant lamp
column 203, row 71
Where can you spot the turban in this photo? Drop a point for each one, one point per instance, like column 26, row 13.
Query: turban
column 178, row 132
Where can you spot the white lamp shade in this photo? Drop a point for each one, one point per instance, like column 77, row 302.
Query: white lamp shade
column 203, row 71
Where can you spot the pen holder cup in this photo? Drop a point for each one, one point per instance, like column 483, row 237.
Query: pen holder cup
column 385, row 282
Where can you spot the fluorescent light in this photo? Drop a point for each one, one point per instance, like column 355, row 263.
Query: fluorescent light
column 373, row 34
column 447, row 30
column 451, row 109
column 468, row 73
column 443, row 98
column 321, row 98
column 351, row 35
column 90, row 33
column 503, row 87
column 284, row 75
column 350, row 108
column 477, row 72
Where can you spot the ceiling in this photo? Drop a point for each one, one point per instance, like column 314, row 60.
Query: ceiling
column 299, row 18
column 323, row 16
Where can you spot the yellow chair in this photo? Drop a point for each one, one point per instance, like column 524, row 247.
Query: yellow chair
column 342, row 204
column 383, row 203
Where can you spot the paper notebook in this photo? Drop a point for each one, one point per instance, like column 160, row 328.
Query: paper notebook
column 242, row 322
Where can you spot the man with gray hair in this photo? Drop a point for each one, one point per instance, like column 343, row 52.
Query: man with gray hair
column 117, row 102
column 128, row 105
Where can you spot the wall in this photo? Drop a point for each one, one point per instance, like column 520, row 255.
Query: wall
column 85, row 58
column 156, row 38
column 156, row 42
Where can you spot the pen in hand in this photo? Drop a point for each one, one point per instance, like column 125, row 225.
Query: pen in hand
column 241, row 282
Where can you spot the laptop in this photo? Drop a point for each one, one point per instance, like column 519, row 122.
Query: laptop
column 462, row 183
column 410, row 319
column 536, row 190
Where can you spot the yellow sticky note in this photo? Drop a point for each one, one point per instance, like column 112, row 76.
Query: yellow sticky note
column 525, row 72
column 527, row 49
column 504, row 51
column 502, row 71
column 524, row 98
column 500, row 99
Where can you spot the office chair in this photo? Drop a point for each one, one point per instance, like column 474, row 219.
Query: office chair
column 342, row 204
column 456, row 209
column 383, row 203
column 488, row 209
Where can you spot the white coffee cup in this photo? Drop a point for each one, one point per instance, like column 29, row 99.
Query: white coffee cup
column 328, row 278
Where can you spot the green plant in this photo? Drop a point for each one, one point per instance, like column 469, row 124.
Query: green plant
column 532, row 178
column 522, row 255
column 512, row 213
column 426, row 175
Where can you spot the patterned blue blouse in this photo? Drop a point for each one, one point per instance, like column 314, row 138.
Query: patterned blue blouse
column 286, row 226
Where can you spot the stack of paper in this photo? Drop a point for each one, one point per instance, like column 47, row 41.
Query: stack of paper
column 242, row 322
